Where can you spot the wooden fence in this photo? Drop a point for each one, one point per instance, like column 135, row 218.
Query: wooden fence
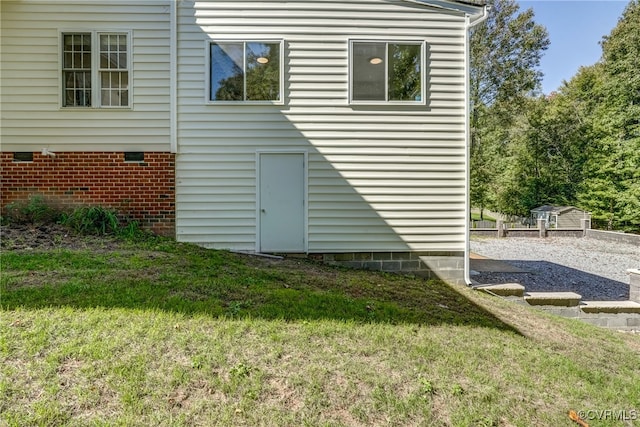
column 500, row 229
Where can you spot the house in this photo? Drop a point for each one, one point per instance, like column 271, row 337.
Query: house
column 85, row 89
column 560, row 216
column 335, row 129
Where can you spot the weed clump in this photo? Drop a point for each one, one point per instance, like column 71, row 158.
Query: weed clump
column 34, row 211
column 92, row 220
column 101, row 221
column 85, row 220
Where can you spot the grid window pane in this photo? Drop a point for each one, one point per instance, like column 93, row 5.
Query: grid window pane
column 105, row 97
column 77, row 89
column 77, row 51
column 113, row 51
column 86, row 60
column 112, row 74
column 124, row 98
column 114, row 77
column 114, row 91
column 76, row 70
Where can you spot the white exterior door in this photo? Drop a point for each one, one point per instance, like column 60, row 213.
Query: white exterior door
column 281, row 198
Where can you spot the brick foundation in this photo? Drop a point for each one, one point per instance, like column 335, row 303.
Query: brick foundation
column 144, row 191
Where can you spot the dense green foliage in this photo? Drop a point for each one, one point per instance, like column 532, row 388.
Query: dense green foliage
column 36, row 210
column 83, row 219
column 611, row 188
column 92, row 220
column 505, row 51
column 578, row 146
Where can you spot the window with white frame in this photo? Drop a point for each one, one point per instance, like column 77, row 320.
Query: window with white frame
column 387, row 72
column 245, row 71
column 76, row 70
column 95, row 69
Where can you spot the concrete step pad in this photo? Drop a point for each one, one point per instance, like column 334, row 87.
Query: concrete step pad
column 634, row 276
column 504, row 289
column 634, row 284
column 610, row 307
column 561, row 299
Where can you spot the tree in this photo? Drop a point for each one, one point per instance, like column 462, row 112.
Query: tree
column 545, row 156
column 505, row 52
column 505, row 55
column 611, row 189
column 580, row 145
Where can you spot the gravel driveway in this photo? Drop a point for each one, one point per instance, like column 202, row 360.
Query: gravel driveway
column 595, row 269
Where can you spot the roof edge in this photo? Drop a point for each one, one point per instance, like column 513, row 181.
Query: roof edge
column 472, row 2
column 469, row 7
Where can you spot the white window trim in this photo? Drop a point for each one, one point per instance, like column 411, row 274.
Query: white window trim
column 423, row 72
column 95, row 69
column 207, row 93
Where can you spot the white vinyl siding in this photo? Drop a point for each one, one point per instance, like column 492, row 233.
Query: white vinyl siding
column 33, row 115
column 381, row 178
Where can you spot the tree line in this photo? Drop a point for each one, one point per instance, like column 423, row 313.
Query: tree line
column 577, row 146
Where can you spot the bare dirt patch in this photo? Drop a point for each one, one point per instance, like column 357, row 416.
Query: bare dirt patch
column 17, row 237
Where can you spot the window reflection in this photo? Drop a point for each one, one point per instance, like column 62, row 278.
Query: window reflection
column 227, row 75
column 245, row 71
column 382, row 71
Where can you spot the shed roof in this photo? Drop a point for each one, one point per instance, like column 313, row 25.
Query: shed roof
column 553, row 209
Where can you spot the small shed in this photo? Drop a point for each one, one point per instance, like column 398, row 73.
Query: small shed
column 559, row 216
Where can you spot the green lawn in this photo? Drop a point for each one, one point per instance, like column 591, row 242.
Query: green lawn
column 476, row 217
column 160, row 333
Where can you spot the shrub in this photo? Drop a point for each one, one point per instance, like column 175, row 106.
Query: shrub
column 92, row 220
column 89, row 220
column 35, row 211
